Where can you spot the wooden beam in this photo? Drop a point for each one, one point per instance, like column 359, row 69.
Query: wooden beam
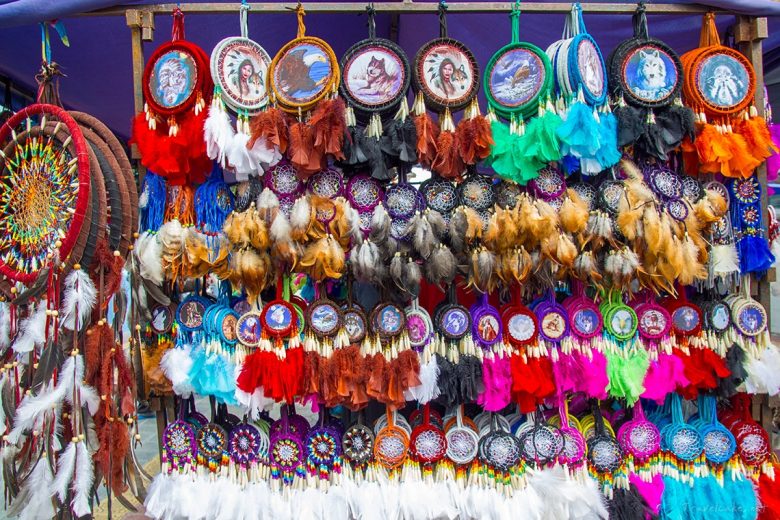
column 404, row 7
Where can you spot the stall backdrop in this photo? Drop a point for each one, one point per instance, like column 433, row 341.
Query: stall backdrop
column 99, row 69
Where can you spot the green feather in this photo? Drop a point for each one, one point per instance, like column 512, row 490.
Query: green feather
column 626, row 372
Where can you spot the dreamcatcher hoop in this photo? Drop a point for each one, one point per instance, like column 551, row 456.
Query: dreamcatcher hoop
column 70, row 235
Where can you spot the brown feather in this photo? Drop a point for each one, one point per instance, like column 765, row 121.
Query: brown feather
column 329, row 127
column 272, row 125
column 573, row 213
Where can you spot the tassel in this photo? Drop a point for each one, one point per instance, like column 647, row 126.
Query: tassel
column 447, row 162
column 608, row 154
column 543, row 143
column 372, row 147
column 579, row 134
column 302, row 154
column 626, row 373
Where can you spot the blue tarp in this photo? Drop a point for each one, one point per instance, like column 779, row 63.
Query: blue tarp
column 98, row 61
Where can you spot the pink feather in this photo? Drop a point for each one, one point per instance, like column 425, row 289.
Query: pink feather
column 497, row 379
column 663, row 376
column 594, row 379
column 650, row 491
column 568, row 371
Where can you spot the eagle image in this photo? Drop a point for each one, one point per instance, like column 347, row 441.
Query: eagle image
column 294, row 71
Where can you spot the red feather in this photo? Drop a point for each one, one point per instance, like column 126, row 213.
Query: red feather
column 448, row 162
column 427, row 135
column 272, row 125
column 329, row 126
column 301, row 145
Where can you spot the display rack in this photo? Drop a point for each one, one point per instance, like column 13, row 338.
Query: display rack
column 749, row 31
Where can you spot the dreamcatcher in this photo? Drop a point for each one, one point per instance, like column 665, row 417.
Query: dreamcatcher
column 176, row 86
column 239, row 68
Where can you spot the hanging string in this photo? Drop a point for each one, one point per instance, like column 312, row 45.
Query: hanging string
column 514, row 16
column 371, row 11
column 443, row 19
column 48, row 77
column 301, row 13
column 177, row 30
column 244, row 13
column 640, row 22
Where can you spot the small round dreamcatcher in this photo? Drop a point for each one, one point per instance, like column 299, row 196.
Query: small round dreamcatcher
column 391, row 445
column 499, row 448
column 440, row 194
column 462, row 441
column 212, row 446
column 604, row 452
column 639, row 437
column 476, row 192
column 357, row 444
column 178, row 444
column 328, row 183
column 246, row 444
column 428, row 444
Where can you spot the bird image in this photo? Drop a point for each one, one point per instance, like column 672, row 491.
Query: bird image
column 295, row 74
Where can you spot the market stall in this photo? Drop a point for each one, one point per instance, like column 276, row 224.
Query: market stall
column 411, row 283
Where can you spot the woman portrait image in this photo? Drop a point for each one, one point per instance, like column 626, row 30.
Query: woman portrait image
column 247, row 80
column 447, row 72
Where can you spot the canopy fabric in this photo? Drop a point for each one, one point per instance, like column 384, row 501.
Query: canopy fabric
column 98, row 63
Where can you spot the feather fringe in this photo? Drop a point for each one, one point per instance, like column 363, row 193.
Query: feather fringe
column 82, row 483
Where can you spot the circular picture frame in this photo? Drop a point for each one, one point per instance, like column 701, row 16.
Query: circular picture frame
column 190, row 313
column 302, row 73
column 516, row 78
column 375, row 75
column 239, row 67
column 439, row 83
column 173, row 77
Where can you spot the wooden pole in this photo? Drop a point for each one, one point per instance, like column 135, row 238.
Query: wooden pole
column 748, row 34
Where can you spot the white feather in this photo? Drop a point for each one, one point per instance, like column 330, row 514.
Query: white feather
column 172, row 235
column 724, row 259
column 32, row 331
column 149, row 253
column 158, row 497
column 255, row 402
column 763, row 374
column 176, row 364
column 353, row 217
column 78, row 301
column 66, row 465
column 267, row 200
column 218, row 133
column 72, row 376
column 280, row 228
column 239, row 158
column 5, row 326
column 32, row 503
column 300, row 214
column 32, row 408
column 429, row 387
column 82, row 483
column 263, row 156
